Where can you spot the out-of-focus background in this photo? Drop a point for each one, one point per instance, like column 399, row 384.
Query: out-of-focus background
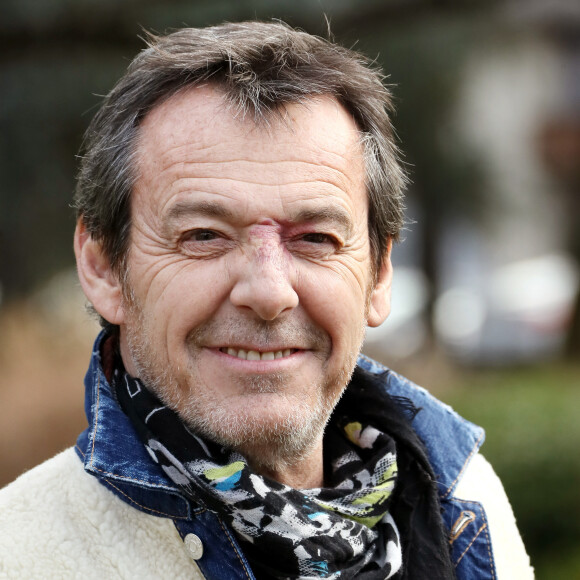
column 486, row 292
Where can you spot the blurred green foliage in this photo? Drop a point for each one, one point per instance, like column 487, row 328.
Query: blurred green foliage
column 532, row 421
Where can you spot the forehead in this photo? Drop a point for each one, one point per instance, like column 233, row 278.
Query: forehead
column 196, row 134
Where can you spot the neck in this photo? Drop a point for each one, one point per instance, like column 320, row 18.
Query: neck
column 306, row 472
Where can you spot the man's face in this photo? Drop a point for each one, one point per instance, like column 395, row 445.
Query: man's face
column 249, row 273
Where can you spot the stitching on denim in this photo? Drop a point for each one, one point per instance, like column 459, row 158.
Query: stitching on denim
column 192, row 510
column 484, row 528
column 123, row 477
column 465, row 518
column 198, row 573
column 467, row 460
column 145, row 507
column 234, row 548
column 489, row 554
column 182, row 536
column 470, row 544
column 96, row 416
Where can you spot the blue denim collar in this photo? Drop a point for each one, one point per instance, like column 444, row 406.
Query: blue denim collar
column 450, row 440
column 112, row 451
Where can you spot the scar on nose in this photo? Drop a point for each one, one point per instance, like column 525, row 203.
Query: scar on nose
column 265, row 236
column 266, row 228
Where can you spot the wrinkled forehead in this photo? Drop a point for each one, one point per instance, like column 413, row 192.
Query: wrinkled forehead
column 200, row 121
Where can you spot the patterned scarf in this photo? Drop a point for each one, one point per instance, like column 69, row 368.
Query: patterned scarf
column 344, row 530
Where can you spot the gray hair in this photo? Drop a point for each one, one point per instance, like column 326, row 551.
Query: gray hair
column 258, row 67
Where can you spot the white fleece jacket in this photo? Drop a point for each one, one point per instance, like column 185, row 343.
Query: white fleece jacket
column 56, row 521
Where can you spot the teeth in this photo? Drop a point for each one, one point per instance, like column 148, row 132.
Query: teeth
column 255, row 355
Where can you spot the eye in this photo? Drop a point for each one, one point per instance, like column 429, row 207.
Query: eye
column 314, row 245
column 201, row 235
column 204, row 243
column 319, row 238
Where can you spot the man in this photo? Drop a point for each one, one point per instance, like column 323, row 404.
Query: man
column 237, row 202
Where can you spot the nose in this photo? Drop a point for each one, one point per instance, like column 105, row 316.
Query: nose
column 264, row 282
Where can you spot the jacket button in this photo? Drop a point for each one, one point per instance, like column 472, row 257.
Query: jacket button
column 194, row 546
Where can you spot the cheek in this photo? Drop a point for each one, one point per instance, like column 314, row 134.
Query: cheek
column 180, row 276
column 181, row 296
column 336, row 303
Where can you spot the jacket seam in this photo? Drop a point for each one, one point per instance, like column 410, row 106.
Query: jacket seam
column 96, row 417
column 132, row 479
column 226, row 531
column 465, row 463
column 92, row 462
column 471, row 544
column 489, row 554
column 484, row 528
column 144, row 507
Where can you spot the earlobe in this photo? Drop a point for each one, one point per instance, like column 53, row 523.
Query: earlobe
column 98, row 281
column 380, row 299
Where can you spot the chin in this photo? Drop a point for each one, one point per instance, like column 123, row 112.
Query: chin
column 266, row 438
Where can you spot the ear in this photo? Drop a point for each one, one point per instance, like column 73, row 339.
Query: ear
column 99, row 283
column 380, row 299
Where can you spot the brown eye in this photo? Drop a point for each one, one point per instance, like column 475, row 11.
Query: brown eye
column 318, row 238
column 202, row 243
column 201, row 236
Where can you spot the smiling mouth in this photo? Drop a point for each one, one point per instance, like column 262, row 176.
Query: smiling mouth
column 255, row 355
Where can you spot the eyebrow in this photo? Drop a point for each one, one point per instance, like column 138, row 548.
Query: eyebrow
column 329, row 214
column 202, row 207
column 332, row 214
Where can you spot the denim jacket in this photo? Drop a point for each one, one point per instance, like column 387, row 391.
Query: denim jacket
column 111, row 451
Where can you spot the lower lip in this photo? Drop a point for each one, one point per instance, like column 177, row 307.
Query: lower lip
column 258, row 366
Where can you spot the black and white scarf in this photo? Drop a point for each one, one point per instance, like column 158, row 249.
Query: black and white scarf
column 346, row 530
column 341, row 531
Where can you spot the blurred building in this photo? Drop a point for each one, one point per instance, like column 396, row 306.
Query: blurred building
column 508, row 274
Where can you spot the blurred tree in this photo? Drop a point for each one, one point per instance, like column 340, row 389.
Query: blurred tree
column 559, row 136
column 424, row 62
